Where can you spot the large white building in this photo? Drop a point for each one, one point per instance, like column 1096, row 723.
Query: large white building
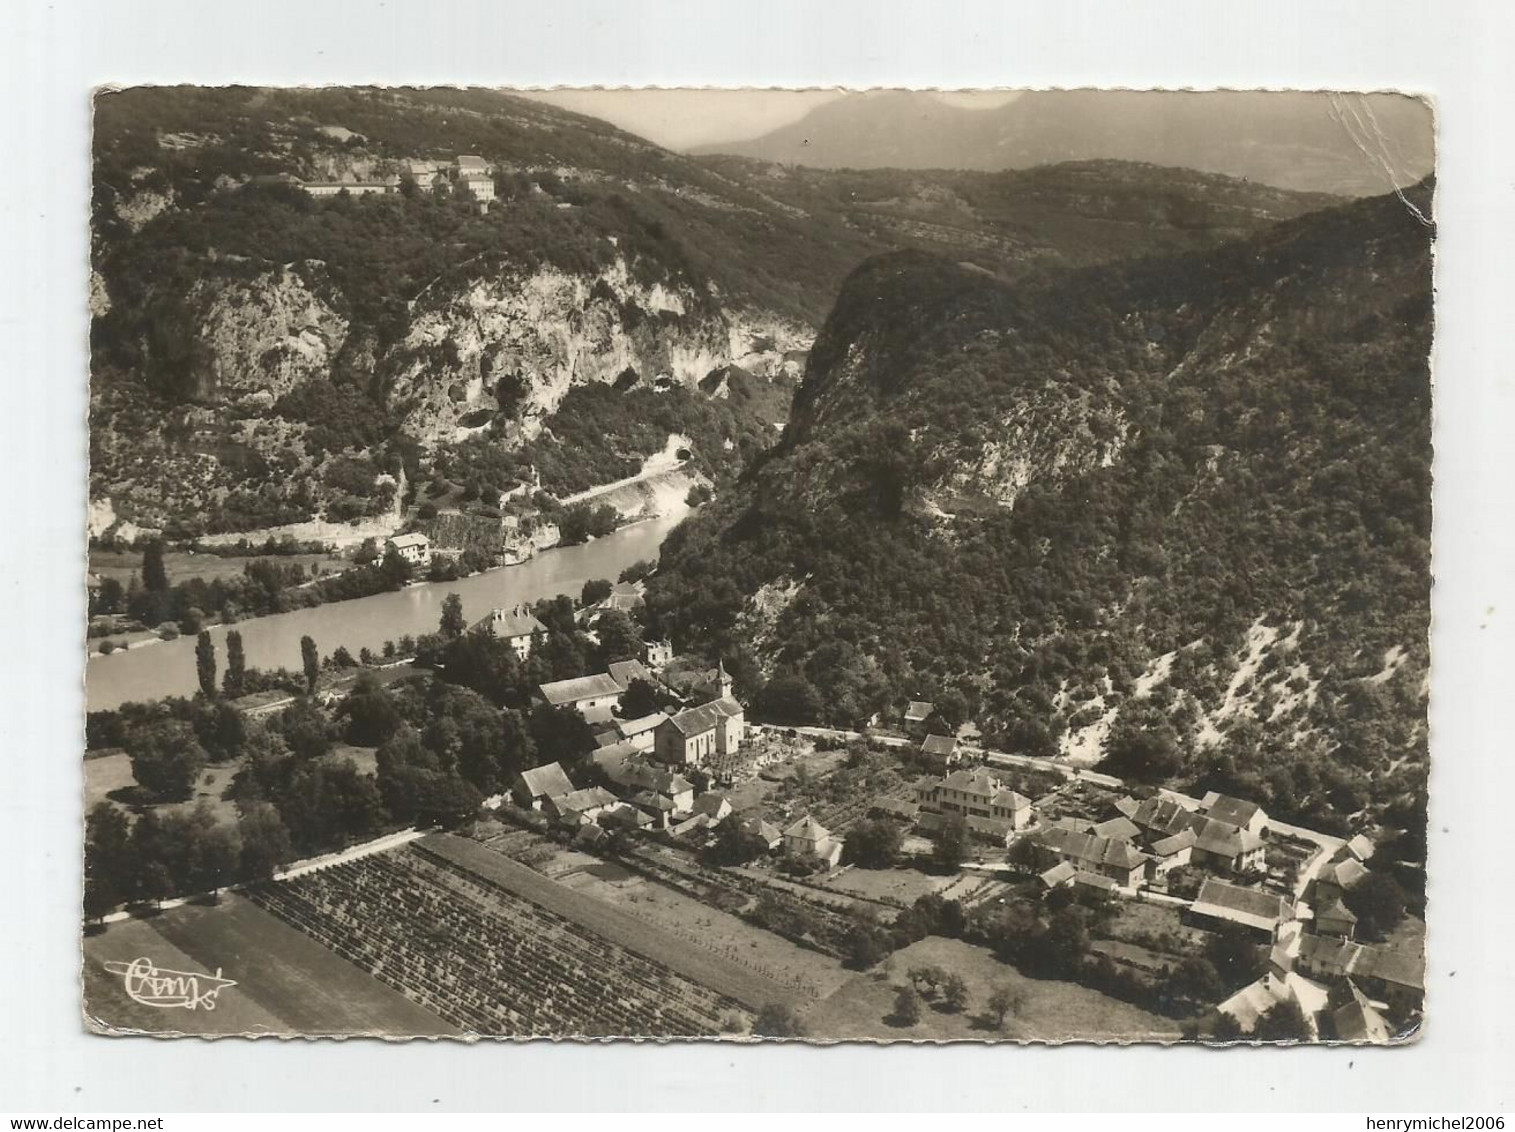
column 414, row 548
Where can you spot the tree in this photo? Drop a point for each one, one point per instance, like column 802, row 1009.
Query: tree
column 310, row 660
column 452, row 625
column 394, row 569
column 734, row 845
column 166, row 759
column 154, row 573
column 907, row 1006
column 372, row 715
column 620, row 638
column 266, row 847
column 236, row 666
column 951, row 848
column 1283, row 1022
column 595, row 591
column 788, row 699
column 1378, row 903
column 1004, row 1001
column 1196, row 980
column 639, row 699
column 1235, row 955
column 108, row 863
column 1225, row 1028
column 778, row 1020
column 205, row 664
column 955, row 993
column 560, row 733
column 1143, row 746
column 925, row 979
column 874, row 844
column 304, row 728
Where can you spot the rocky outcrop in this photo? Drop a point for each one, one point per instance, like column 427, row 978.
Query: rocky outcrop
column 234, row 336
column 556, row 330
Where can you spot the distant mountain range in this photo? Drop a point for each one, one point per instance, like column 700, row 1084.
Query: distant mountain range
column 1350, row 145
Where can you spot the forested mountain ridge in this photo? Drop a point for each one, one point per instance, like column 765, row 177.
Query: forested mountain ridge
column 1175, row 512
column 1350, row 144
column 248, row 338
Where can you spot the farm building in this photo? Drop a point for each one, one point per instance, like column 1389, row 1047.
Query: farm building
column 940, row 752
column 641, row 732
column 1261, row 912
column 533, row 787
column 1119, row 860
column 1235, row 811
column 593, row 696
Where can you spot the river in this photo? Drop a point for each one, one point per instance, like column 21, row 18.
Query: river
column 167, row 668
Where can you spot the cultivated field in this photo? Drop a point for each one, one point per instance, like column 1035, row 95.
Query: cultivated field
column 892, row 886
column 721, row 974
column 1052, row 1011
column 286, row 982
column 486, row 960
column 699, row 925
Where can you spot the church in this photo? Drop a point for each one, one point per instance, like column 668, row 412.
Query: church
column 696, row 735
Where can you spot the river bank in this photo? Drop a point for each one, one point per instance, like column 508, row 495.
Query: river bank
column 168, row 669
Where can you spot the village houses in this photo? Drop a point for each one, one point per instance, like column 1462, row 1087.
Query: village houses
column 414, row 548
column 975, row 793
column 516, row 626
column 810, row 840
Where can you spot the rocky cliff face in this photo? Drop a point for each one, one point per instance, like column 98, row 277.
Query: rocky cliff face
column 253, row 338
column 555, row 330
column 236, row 336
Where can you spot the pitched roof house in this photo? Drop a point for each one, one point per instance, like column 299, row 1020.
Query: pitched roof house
column 1228, row 903
column 1235, row 811
column 517, row 626
column 1113, row 857
column 715, row 807
column 976, row 794
column 640, row 732
column 1357, row 1020
column 584, row 805
column 918, row 711
column 594, row 696
column 1225, row 846
column 940, row 751
column 809, row 838
column 754, row 824
column 533, row 787
column 1336, row 919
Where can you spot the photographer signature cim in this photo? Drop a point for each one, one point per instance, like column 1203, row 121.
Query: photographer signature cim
column 152, row 985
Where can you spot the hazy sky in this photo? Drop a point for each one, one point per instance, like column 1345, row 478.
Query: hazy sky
column 679, row 119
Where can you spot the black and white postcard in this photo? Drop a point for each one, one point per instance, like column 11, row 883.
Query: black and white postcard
column 884, row 565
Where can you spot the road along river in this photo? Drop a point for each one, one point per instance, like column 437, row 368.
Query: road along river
column 167, row 668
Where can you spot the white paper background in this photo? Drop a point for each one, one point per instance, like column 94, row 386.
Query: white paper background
column 53, row 53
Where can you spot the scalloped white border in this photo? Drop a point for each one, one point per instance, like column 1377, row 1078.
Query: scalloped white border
column 55, row 52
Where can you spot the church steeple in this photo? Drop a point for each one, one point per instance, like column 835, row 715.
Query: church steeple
column 723, row 679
